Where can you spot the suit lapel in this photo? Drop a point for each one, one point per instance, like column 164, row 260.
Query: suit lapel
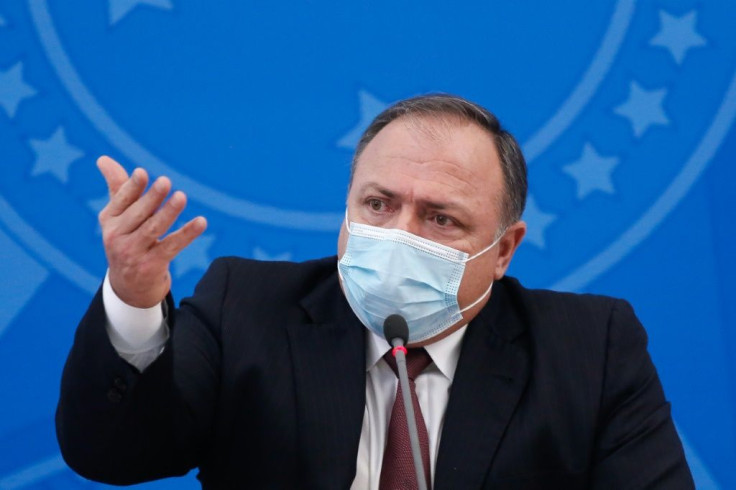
column 329, row 372
column 490, row 378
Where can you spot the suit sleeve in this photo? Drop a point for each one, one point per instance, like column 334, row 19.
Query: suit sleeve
column 118, row 425
column 637, row 445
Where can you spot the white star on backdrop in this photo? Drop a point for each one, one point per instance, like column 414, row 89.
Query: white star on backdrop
column 643, row 108
column 592, row 172
column 120, row 8
column 537, row 223
column 13, row 90
column 54, row 155
column 96, row 205
column 370, row 107
column 260, row 254
column 678, row 34
column 194, row 257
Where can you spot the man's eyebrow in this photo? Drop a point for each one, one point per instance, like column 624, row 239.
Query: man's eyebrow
column 441, row 205
column 452, row 206
column 378, row 188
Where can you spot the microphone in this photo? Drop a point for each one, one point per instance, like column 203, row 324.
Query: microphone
column 396, row 332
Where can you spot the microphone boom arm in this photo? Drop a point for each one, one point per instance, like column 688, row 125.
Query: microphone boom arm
column 411, row 421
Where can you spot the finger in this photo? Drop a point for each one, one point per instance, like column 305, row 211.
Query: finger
column 128, row 193
column 174, row 243
column 160, row 222
column 114, row 173
column 144, row 208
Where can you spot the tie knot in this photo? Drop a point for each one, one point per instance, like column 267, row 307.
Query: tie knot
column 417, row 361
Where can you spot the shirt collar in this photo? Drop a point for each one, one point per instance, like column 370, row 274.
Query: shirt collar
column 444, row 353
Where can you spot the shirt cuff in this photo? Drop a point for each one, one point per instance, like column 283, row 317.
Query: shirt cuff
column 133, row 330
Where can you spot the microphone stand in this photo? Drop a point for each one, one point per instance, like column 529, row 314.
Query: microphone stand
column 399, row 352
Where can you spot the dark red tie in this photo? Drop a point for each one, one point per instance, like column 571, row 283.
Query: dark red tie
column 397, row 470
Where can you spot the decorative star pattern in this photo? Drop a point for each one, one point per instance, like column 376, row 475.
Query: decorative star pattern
column 54, row 155
column 592, row 172
column 643, row 108
column 370, row 107
column 260, row 254
column 120, row 8
column 537, row 223
column 678, row 34
column 96, row 205
column 194, row 257
column 13, row 90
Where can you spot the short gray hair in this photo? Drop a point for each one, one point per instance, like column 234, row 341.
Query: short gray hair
column 513, row 164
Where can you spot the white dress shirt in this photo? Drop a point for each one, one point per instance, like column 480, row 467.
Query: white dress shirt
column 139, row 335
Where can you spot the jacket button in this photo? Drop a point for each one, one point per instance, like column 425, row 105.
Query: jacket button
column 120, row 385
column 114, row 395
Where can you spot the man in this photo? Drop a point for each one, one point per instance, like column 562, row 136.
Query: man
column 268, row 377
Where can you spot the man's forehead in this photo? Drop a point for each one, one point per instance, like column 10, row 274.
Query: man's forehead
column 449, row 134
column 438, row 128
column 464, row 146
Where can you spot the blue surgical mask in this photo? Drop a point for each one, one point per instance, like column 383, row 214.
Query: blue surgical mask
column 387, row 271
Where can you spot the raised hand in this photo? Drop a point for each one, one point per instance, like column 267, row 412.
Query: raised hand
column 134, row 223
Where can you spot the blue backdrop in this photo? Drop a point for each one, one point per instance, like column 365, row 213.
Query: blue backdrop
column 625, row 111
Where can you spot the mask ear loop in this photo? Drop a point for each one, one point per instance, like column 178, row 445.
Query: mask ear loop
column 347, row 222
column 490, row 286
column 495, row 242
column 488, row 291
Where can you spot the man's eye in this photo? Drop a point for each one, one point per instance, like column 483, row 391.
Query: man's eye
column 376, row 204
column 443, row 220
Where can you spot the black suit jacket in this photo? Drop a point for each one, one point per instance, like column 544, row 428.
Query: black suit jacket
column 262, row 385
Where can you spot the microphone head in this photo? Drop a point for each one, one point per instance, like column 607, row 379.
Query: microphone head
column 395, row 327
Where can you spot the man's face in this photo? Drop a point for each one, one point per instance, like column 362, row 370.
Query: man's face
column 441, row 180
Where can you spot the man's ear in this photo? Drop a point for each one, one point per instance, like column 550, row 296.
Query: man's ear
column 507, row 247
